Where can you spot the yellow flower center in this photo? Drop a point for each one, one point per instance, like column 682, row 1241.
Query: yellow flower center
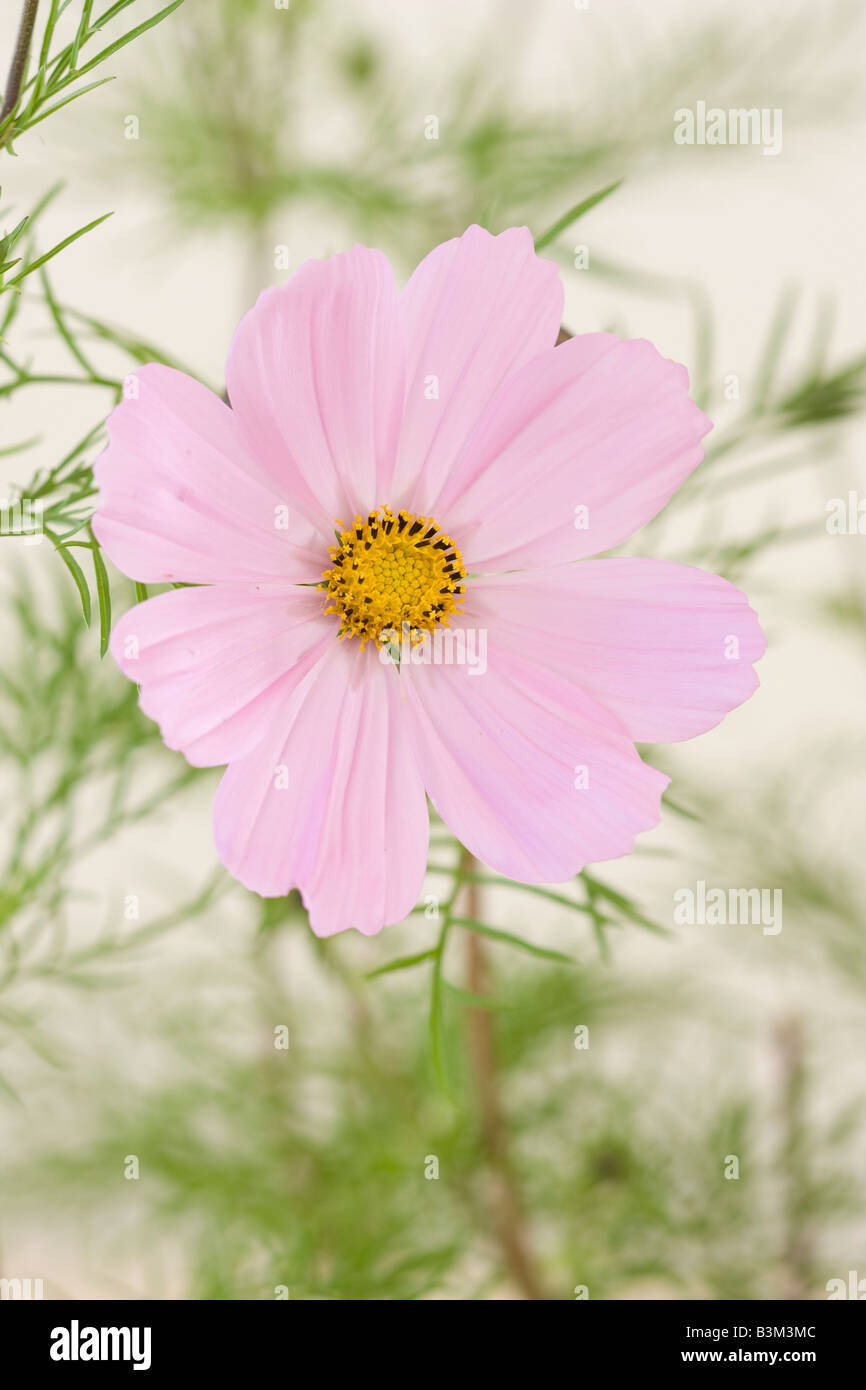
column 391, row 570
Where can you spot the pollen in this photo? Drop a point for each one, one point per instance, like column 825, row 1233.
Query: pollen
column 393, row 570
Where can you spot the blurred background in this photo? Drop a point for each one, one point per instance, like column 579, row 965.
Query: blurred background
column 198, row 1099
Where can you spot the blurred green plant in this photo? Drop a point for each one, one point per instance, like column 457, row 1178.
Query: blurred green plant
column 231, row 142
column 29, row 98
column 67, row 731
column 328, row 1170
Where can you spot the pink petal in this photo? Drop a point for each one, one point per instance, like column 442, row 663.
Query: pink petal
column 667, row 648
column 181, row 497
column 476, row 309
column 594, row 423
column 350, row 828
column 217, row 664
column 316, row 375
column 501, row 753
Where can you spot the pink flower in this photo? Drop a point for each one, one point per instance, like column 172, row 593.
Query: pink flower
column 466, row 463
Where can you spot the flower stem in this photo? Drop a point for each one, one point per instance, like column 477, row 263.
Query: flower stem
column 508, row 1215
column 798, row 1258
column 19, row 58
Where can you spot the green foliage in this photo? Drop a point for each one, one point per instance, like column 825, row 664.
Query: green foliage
column 305, row 1168
column 68, row 729
column 33, row 96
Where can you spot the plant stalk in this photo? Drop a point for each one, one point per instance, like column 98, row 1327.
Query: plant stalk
column 18, row 66
column 508, row 1216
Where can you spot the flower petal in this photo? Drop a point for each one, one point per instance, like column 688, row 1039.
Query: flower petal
column 595, row 423
column 530, row 773
column 316, row 375
column 182, row 498
column 216, row 664
column 667, row 648
column 331, row 802
column 476, row 309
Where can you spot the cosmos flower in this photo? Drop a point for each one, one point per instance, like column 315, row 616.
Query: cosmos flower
column 401, row 473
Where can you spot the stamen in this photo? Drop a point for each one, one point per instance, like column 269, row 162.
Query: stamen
column 391, row 570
